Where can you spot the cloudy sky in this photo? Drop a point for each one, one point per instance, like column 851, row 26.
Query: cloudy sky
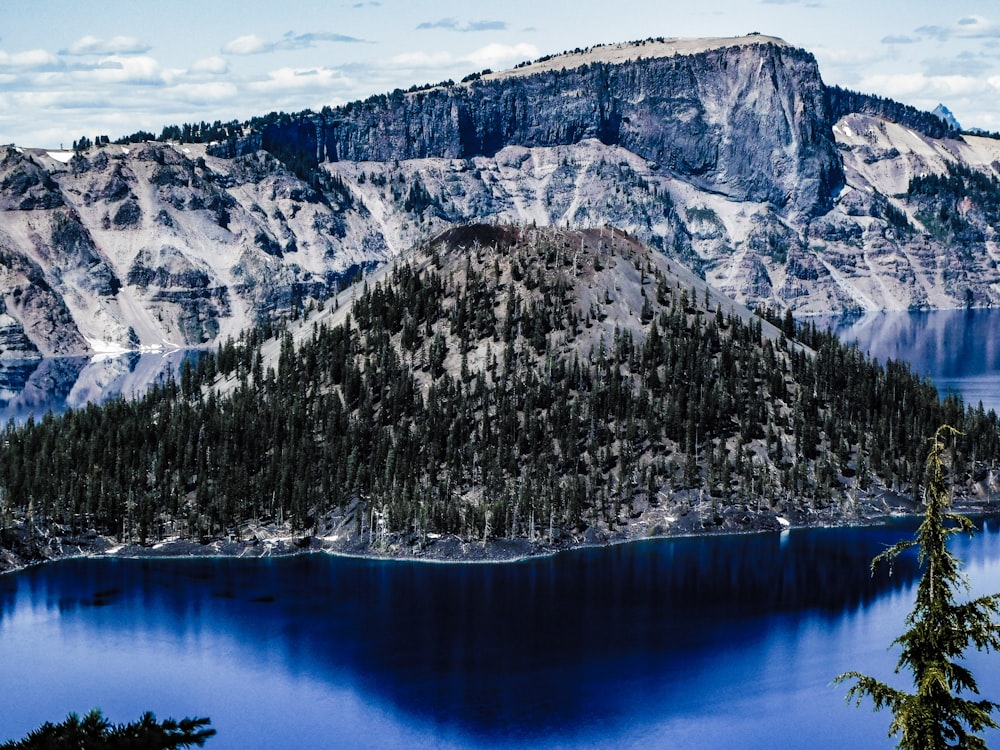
column 107, row 67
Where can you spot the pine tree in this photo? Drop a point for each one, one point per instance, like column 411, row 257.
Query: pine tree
column 94, row 731
column 940, row 631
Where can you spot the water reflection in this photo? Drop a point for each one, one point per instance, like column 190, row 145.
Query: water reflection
column 32, row 387
column 588, row 642
column 958, row 349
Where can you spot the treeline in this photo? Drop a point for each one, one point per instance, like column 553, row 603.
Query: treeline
column 479, row 393
column 957, row 205
column 841, row 102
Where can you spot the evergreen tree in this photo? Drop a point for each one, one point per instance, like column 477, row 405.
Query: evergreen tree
column 94, row 732
column 940, row 630
column 450, row 383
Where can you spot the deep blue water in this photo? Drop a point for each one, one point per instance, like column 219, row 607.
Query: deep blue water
column 958, row 349
column 691, row 643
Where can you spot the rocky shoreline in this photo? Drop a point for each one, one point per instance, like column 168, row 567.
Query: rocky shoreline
column 21, row 546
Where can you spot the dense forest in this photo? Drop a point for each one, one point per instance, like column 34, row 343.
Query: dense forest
column 511, row 383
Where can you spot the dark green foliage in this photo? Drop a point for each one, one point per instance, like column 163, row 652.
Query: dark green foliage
column 418, row 200
column 200, row 132
column 941, row 629
column 883, row 209
column 956, row 206
column 456, row 399
column 94, row 732
column 140, row 136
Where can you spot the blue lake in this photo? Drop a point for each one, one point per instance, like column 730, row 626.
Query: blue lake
column 958, row 349
column 690, row 643
column 693, row 643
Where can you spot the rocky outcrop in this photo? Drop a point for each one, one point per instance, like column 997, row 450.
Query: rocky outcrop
column 730, row 156
column 748, row 120
column 25, row 185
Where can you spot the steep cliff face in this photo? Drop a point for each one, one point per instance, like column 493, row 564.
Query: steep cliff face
column 745, row 118
column 728, row 155
column 152, row 246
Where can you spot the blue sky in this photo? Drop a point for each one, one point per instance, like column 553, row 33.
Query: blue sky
column 114, row 67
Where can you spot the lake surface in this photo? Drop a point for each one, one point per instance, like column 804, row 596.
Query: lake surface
column 958, row 349
column 726, row 642
column 692, row 643
column 32, row 387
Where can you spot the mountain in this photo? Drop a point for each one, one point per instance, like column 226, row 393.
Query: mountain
column 946, row 116
column 728, row 114
column 497, row 392
column 729, row 155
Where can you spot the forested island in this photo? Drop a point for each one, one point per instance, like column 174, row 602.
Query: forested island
column 499, row 392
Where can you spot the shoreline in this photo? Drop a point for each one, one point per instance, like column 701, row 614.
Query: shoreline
column 442, row 550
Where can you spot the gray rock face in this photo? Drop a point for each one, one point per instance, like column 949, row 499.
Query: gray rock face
column 26, row 185
column 748, row 121
column 13, row 340
column 731, row 157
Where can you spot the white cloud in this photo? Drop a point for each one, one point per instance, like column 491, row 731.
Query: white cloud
column 118, row 45
column 909, row 87
column 205, row 93
column 210, row 66
column 452, row 24
column 115, row 69
column 36, row 59
column 501, row 55
column 251, row 44
column 491, row 56
column 968, row 27
column 60, row 99
column 843, row 56
column 975, row 27
column 288, row 80
column 440, row 59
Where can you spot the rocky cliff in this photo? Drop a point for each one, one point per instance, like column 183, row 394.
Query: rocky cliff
column 729, row 155
column 744, row 118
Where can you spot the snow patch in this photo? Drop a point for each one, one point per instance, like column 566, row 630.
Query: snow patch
column 106, row 347
column 63, row 157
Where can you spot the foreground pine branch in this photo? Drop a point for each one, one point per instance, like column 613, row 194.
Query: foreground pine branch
column 93, row 731
column 940, row 631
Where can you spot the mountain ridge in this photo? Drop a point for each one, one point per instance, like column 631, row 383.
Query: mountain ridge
column 734, row 158
column 617, row 53
column 675, row 110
